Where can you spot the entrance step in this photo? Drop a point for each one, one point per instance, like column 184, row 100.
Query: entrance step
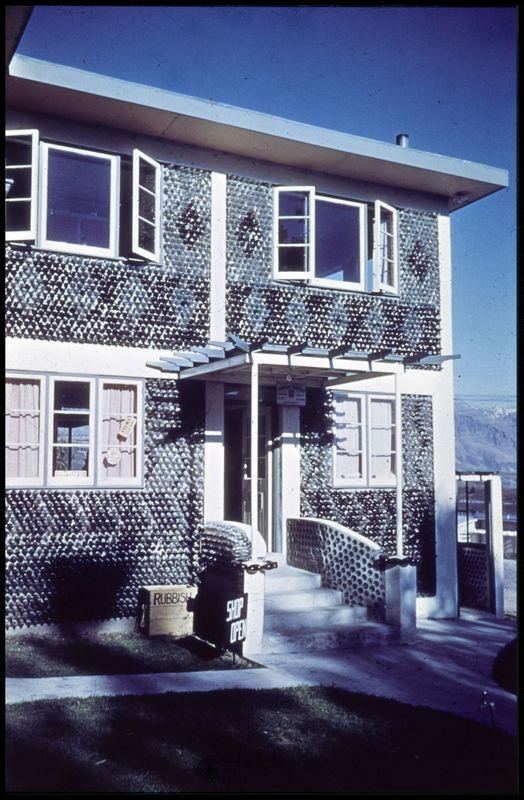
column 300, row 614
column 332, row 638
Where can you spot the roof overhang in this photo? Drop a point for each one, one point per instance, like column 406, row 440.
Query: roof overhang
column 41, row 86
column 230, row 361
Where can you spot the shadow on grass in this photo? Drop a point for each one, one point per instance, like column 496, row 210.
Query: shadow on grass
column 33, row 656
column 293, row 740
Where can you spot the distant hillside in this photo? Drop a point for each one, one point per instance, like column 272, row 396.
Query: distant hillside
column 485, row 438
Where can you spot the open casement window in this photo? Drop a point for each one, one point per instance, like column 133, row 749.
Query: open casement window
column 24, row 430
column 21, row 184
column 294, row 225
column 79, row 200
column 119, row 436
column 71, row 432
column 385, row 271
column 320, row 239
column 146, row 207
column 364, row 440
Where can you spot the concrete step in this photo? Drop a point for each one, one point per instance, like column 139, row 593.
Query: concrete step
column 363, row 634
column 290, row 579
column 302, row 615
column 314, row 618
column 298, row 600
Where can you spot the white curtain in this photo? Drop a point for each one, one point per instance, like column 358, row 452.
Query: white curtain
column 382, row 438
column 22, row 428
column 119, row 405
column 348, row 435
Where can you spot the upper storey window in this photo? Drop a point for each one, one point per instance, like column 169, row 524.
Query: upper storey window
column 334, row 242
column 75, row 200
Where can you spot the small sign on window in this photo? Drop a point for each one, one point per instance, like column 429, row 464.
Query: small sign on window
column 126, row 427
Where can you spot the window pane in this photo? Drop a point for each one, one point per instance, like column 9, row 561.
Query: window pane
column 119, row 431
column 19, row 172
column 349, row 467
column 383, row 467
column 71, row 396
column 147, row 176
column 17, row 216
column 147, row 205
column 349, row 457
column 381, row 413
column 71, row 459
column 382, row 440
column 71, row 428
column 78, row 199
column 292, row 259
column 146, row 235
column 293, row 231
column 337, row 242
column 293, row 204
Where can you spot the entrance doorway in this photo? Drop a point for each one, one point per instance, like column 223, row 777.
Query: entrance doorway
column 237, row 499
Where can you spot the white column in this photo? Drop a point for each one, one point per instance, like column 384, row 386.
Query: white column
column 254, row 450
column 398, row 439
column 290, row 468
column 217, row 322
column 214, row 453
column 445, row 603
column 495, row 543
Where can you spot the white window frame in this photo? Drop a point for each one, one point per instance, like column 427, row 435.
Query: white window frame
column 374, row 282
column 359, row 285
column 30, row 232
column 367, row 480
column 36, row 481
column 379, row 284
column 356, row 480
column 154, row 254
column 70, row 479
column 308, row 246
column 111, row 251
column 137, row 479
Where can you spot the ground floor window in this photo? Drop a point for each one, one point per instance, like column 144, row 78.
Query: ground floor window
column 89, row 429
column 364, row 440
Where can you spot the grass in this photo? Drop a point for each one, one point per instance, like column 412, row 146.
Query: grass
column 45, row 656
column 300, row 740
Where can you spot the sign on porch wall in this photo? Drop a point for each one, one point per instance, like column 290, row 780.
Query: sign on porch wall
column 166, row 609
column 291, row 394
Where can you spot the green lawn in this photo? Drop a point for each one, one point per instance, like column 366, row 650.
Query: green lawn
column 46, row 656
column 295, row 740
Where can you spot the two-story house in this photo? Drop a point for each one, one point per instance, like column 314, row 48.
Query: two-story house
column 213, row 314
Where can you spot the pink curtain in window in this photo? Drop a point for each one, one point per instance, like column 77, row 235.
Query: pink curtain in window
column 22, row 428
column 119, row 403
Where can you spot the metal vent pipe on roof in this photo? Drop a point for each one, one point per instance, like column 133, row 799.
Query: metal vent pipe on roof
column 402, row 140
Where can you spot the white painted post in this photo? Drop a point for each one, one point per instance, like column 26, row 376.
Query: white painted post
column 254, row 586
column 217, row 311
column 214, row 453
column 495, row 543
column 254, row 449
column 401, row 601
column 290, row 469
column 398, row 463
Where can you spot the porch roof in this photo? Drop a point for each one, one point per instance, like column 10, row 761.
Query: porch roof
column 229, row 361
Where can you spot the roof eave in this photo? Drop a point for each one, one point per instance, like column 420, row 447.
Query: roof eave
column 64, row 91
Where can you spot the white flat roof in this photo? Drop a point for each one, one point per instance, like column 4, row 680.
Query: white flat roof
column 41, row 86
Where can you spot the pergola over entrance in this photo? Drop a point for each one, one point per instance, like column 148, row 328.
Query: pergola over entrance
column 264, row 363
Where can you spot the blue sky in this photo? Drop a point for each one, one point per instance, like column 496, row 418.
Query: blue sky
column 446, row 76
